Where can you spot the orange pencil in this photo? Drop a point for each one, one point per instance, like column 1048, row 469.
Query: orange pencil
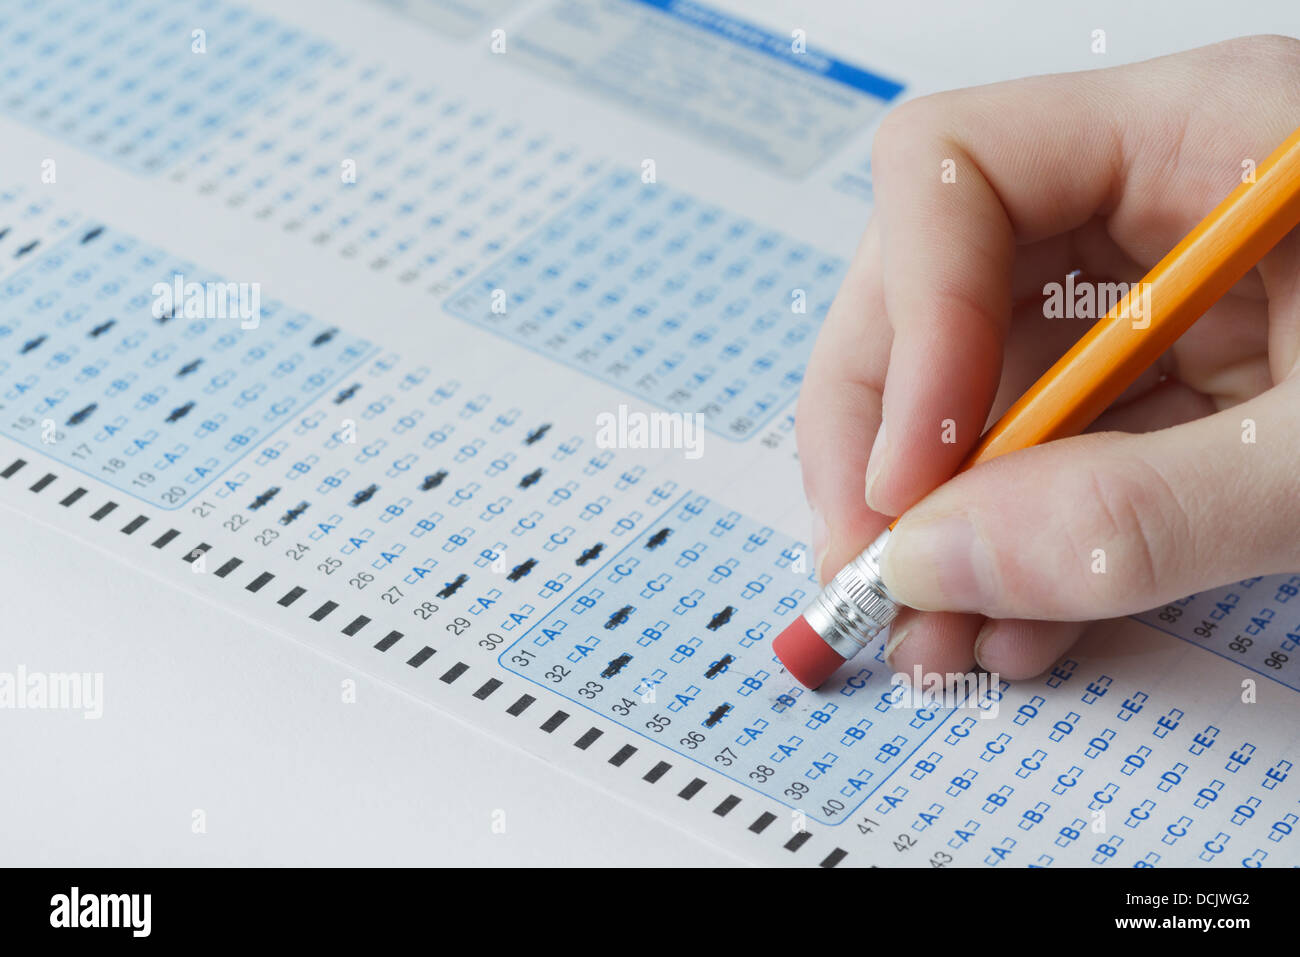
column 856, row 606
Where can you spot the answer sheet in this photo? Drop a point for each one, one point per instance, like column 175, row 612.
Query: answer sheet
column 463, row 348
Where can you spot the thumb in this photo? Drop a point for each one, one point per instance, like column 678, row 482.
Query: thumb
column 1109, row 524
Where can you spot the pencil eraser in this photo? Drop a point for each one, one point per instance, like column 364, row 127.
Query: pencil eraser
column 805, row 654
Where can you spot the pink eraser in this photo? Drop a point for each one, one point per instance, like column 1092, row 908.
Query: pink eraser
column 805, row 654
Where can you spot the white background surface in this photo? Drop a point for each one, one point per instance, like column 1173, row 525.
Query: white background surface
column 206, row 711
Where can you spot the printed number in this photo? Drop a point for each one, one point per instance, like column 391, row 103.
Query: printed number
column 457, row 626
column 361, row 580
column 624, row 707
column 904, row 842
column 557, row 674
column 726, row 757
column 761, row 773
column 203, row 509
column 235, row 522
column 425, row 611
column 266, row 536
column 940, row 859
column 297, row 551
column 491, row 641
column 330, row 565
column 590, row 689
column 392, row 595
column 796, row 791
column 658, row 723
column 692, row 740
column 522, row 658
column 832, row 807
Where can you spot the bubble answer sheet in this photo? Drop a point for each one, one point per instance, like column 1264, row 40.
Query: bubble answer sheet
column 459, row 343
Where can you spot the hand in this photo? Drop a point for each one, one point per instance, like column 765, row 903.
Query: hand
column 1190, row 480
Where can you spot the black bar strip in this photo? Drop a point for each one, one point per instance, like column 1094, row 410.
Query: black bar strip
column 691, row 789
column 798, row 841
column 229, row 567
column 420, row 657
column 72, row 496
column 834, row 857
column 357, row 624
column 291, row 596
column 259, row 582
column 130, row 527
column 320, row 613
column 554, row 721
column 454, row 672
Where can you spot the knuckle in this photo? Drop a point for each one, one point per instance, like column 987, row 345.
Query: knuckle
column 1132, row 514
column 907, row 123
column 1274, row 47
column 1258, row 60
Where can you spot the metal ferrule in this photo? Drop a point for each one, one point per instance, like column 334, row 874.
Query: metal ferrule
column 855, row 606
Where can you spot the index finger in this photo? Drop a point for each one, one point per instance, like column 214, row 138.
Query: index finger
column 961, row 178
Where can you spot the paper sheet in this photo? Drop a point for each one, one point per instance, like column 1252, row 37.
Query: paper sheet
column 382, row 347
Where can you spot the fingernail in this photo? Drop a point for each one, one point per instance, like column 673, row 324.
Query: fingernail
column 896, row 638
column 820, row 536
column 876, row 461
column 938, row 565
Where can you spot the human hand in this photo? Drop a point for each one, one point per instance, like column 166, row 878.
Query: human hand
column 1190, row 480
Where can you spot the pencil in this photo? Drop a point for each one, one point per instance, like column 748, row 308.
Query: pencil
column 856, row 606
